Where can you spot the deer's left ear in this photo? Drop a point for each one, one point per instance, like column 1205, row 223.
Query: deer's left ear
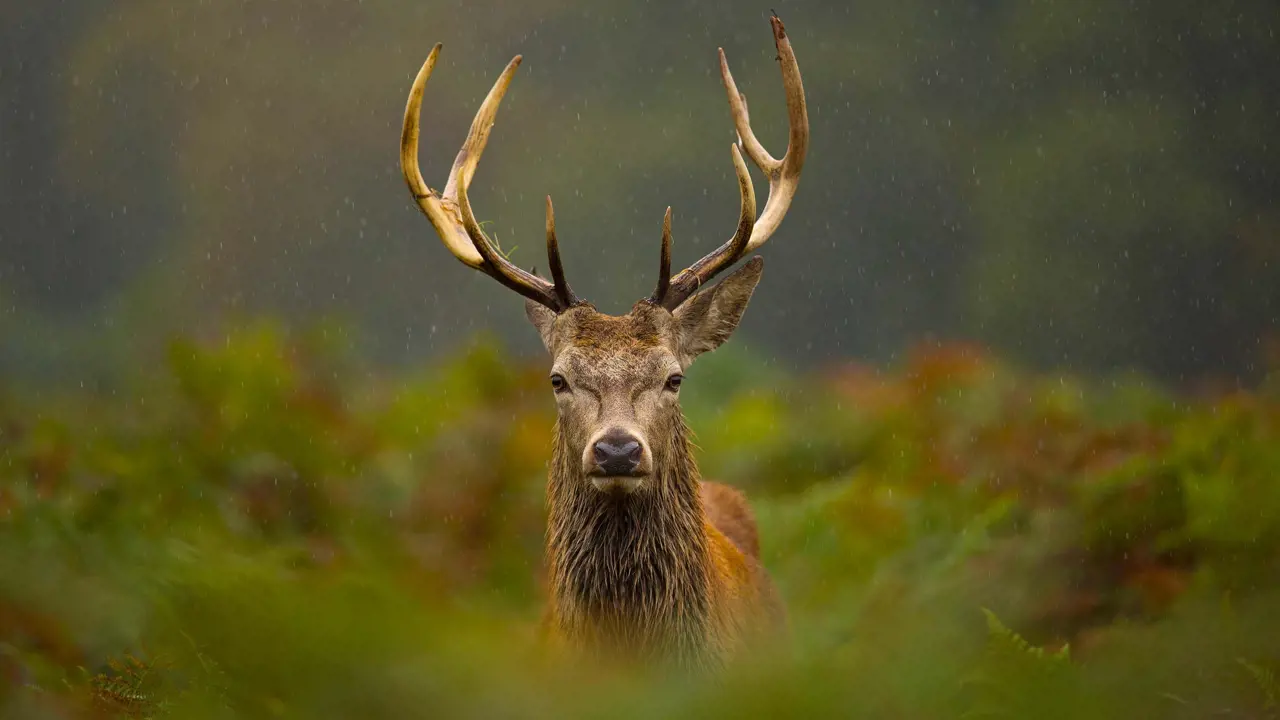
column 543, row 318
column 707, row 319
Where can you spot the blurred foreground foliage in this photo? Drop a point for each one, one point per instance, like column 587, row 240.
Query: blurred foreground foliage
column 260, row 529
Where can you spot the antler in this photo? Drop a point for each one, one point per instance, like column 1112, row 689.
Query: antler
column 783, row 174
column 450, row 213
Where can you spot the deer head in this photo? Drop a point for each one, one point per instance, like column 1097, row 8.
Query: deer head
column 617, row 378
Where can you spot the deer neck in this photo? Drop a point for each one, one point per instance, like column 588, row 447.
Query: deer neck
column 632, row 573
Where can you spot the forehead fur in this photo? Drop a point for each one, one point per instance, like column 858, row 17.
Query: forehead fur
column 590, row 332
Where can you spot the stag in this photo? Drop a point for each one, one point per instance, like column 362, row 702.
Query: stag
column 645, row 560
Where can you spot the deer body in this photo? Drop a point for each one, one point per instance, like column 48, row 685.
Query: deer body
column 695, row 597
column 669, row 570
column 646, row 561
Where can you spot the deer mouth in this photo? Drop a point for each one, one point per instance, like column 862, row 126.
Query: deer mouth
column 617, row 485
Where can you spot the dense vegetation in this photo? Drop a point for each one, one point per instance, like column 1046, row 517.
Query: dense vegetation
column 262, row 528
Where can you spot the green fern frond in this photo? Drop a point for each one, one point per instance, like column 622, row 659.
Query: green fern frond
column 1001, row 637
column 1014, row 676
column 1265, row 679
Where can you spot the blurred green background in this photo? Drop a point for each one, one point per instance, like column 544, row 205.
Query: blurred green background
column 1007, row 402
column 1080, row 184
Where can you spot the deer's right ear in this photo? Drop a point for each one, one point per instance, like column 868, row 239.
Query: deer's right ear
column 708, row 318
column 543, row 318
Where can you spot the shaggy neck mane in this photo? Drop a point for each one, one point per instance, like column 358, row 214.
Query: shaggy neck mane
column 631, row 574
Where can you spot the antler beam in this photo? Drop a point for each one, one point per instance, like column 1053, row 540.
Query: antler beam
column 450, row 212
column 783, row 174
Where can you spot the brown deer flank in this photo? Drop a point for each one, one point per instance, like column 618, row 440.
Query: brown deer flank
column 646, row 561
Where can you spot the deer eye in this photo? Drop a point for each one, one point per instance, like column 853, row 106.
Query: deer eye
column 558, row 383
column 673, row 382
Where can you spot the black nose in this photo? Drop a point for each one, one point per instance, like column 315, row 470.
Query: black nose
column 616, row 454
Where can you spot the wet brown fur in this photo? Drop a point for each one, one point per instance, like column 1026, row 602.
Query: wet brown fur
column 671, row 571
column 728, row 511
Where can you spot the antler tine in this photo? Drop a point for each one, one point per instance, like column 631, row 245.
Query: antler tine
column 499, row 267
column 664, row 262
column 563, row 292
column 446, row 226
column 450, row 212
column 464, row 165
column 783, row 174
